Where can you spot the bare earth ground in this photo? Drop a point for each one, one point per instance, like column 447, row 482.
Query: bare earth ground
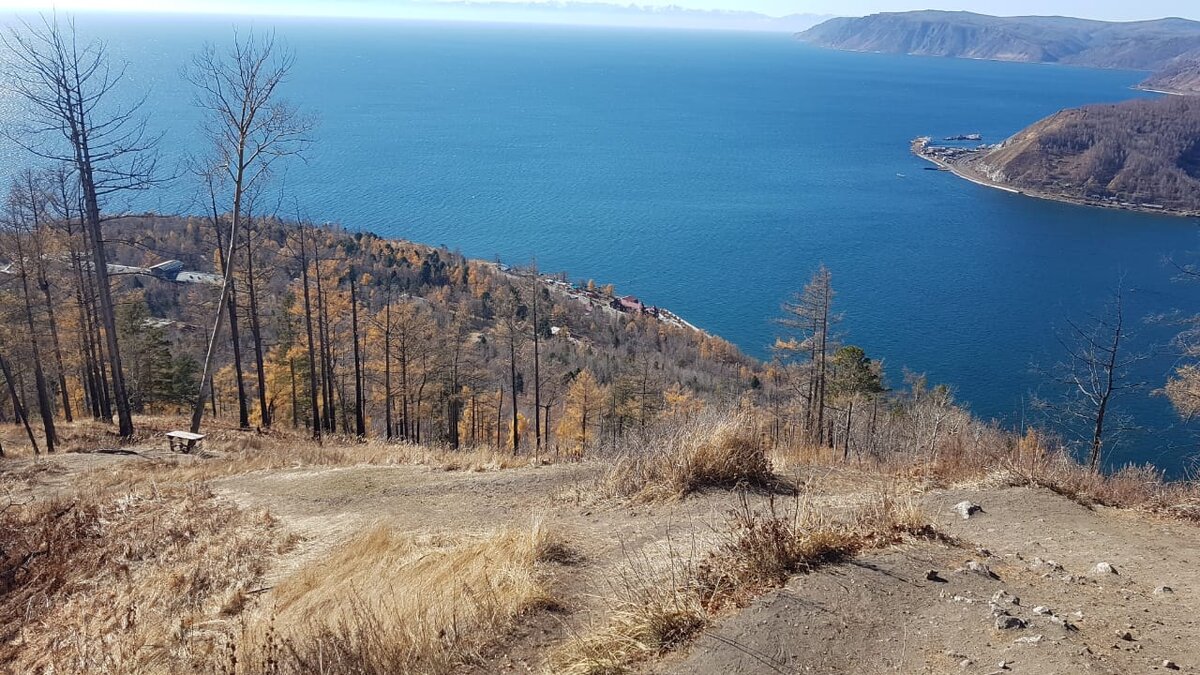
column 878, row 613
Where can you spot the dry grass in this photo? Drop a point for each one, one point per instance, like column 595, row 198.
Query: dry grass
column 228, row 452
column 143, row 581
column 389, row 602
column 1142, row 488
column 658, row 609
column 712, row 450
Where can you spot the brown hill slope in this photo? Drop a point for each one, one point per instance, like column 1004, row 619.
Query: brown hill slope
column 1148, row 45
column 1181, row 77
column 1142, row 152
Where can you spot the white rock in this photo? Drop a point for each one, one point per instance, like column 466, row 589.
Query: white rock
column 1042, row 610
column 1104, row 568
column 1164, row 590
column 967, row 509
column 978, row 568
column 1028, row 640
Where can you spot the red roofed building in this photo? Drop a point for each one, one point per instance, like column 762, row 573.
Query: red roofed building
column 630, row 303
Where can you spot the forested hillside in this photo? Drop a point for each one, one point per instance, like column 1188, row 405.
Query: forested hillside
column 1143, row 152
column 1181, row 76
column 263, row 322
column 424, row 344
column 1137, row 45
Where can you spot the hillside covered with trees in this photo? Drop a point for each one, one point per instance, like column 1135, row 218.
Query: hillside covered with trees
column 1181, row 76
column 1144, row 152
column 1136, row 45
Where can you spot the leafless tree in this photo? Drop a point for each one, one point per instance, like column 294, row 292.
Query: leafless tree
column 70, row 90
column 810, row 318
column 250, row 129
column 1094, row 375
column 20, row 224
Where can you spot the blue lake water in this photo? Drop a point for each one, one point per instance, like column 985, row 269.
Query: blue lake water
column 711, row 173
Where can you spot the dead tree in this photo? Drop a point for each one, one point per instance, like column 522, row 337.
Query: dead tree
column 18, row 409
column 360, row 424
column 69, row 91
column 40, row 238
column 249, row 129
column 809, row 316
column 1095, row 374
column 308, row 326
column 22, row 217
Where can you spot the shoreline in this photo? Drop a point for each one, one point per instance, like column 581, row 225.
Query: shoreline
column 922, row 148
column 598, row 302
column 1164, row 92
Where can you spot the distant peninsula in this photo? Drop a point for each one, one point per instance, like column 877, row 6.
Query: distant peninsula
column 1141, row 155
column 1181, row 77
column 1168, row 47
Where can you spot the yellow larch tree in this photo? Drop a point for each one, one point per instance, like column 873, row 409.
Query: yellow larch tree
column 581, row 413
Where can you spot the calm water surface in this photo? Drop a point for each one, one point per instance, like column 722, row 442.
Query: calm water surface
column 711, row 173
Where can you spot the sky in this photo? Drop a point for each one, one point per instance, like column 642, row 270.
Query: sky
column 1113, row 10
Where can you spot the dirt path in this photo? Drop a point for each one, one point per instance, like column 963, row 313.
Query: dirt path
column 327, row 505
column 881, row 614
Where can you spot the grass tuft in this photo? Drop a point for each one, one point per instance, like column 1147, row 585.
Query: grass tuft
column 712, row 450
column 393, row 602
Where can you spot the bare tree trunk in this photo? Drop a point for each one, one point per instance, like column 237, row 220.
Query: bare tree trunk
column 329, row 413
column 87, row 349
column 1109, row 386
column 256, row 331
column 295, row 397
column 512, row 364
column 248, row 130
column 499, row 417
column 55, row 343
column 45, row 403
column 360, row 423
column 389, row 421
column 537, row 371
column 312, row 352
column 846, row 440
column 206, row 377
column 227, row 266
column 18, row 409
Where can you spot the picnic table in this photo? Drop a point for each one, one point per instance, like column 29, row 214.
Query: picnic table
column 183, row 441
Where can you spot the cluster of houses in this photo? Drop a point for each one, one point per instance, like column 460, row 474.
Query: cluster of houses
column 593, row 297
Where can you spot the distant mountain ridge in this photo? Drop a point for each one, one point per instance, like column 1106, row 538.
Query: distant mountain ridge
column 1139, row 45
column 569, row 12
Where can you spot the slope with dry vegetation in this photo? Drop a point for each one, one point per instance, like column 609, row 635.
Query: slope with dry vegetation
column 277, row 555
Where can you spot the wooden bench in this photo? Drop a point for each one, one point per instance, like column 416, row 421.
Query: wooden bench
column 183, row 441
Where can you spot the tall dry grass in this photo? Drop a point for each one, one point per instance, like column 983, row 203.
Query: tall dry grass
column 141, row 581
column 393, row 603
column 1035, row 460
column 716, row 449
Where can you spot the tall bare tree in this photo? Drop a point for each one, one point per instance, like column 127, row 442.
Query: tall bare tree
column 308, row 329
column 250, row 129
column 1095, row 374
column 809, row 316
column 510, row 331
column 74, row 119
column 20, row 224
column 360, row 423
